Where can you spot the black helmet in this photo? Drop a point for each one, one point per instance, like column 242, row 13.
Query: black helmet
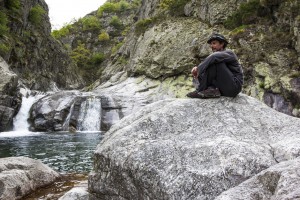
column 217, row 36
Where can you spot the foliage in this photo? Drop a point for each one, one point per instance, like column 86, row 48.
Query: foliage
column 97, row 58
column 244, row 15
column 80, row 55
column 110, row 7
column 36, row 14
column 4, row 48
column 103, row 36
column 90, row 23
column 142, row 25
column 3, row 24
column 116, row 22
column 13, row 5
column 175, row 7
column 64, row 31
column 116, row 47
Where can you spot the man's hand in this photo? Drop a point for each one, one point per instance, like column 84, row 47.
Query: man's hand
column 195, row 72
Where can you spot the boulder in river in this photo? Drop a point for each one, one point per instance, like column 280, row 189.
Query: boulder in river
column 19, row 176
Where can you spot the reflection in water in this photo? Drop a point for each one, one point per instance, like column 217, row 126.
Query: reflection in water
column 64, row 152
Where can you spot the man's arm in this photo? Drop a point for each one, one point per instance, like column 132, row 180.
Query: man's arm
column 226, row 56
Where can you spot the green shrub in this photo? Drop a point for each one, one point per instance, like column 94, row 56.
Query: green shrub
column 13, row 5
column 3, row 24
column 4, row 48
column 111, row 7
column 142, row 25
column 90, row 23
column 81, row 55
column 97, row 58
column 116, row 47
column 116, row 22
column 123, row 6
column 103, row 36
column 244, row 15
column 36, row 14
column 107, row 7
column 175, row 7
column 64, row 31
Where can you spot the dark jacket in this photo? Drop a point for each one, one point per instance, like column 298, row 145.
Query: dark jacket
column 229, row 58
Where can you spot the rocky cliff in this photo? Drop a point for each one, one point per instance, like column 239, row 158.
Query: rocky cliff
column 27, row 46
column 30, row 55
column 165, row 39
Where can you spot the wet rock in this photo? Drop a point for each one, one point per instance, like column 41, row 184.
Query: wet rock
column 79, row 192
column 280, row 181
column 10, row 101
column 191, row 148
column 50, row 112
column 6, row 118
column 20, row 176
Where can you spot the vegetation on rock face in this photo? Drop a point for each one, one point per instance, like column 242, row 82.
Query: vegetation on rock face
column 175, row 7
column 10, row 8
column 248, row 13
column 36, row 14
column 89, row 23
column 111, row 7
column 103, row 33
column 103, row 36
column 64, row 31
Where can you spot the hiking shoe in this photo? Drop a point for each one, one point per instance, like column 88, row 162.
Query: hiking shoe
column 194, row 94
column 209, row 93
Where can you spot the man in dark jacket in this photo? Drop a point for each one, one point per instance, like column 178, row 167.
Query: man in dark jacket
column 220, row 73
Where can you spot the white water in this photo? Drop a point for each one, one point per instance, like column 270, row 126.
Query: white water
column 90, row 115
column 20, row 121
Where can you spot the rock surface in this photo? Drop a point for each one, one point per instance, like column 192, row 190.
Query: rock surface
column 118, row 97
column 34, row 55
column 280, row 181
column 79, row 192
column 191, row 148
column 20, row 176
column 10, row 102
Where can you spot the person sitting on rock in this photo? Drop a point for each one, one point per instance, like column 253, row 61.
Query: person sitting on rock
column 219, row 74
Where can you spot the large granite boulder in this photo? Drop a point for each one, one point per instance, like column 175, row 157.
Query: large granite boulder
column 20, row 176
column 191, row 148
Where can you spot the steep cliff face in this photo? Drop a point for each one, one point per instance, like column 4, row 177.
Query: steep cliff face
column 266, row 40
column 27, row 46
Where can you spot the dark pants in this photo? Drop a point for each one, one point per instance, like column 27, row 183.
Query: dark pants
column 219, row 76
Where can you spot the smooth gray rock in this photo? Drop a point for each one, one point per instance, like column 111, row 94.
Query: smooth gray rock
column 280, row 181
column 20, row 176
column 191, row 148
column 79, row 192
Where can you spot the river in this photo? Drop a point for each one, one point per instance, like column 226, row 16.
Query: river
column 68, row 153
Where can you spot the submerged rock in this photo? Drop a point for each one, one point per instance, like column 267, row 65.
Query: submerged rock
column 191, row 148
column 20, row 176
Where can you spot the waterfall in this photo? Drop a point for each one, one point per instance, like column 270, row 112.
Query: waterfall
column 90, row 114
column 67, row 121
column 20, row 121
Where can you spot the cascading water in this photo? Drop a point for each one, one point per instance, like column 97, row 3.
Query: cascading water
column 20, row 121
column 90, row 114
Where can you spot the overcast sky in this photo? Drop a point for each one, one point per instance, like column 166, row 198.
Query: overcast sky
column 64, row 11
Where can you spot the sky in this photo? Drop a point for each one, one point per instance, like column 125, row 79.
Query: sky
column 62, row 12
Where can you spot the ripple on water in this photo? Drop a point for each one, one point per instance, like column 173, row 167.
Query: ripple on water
column 64, row 152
